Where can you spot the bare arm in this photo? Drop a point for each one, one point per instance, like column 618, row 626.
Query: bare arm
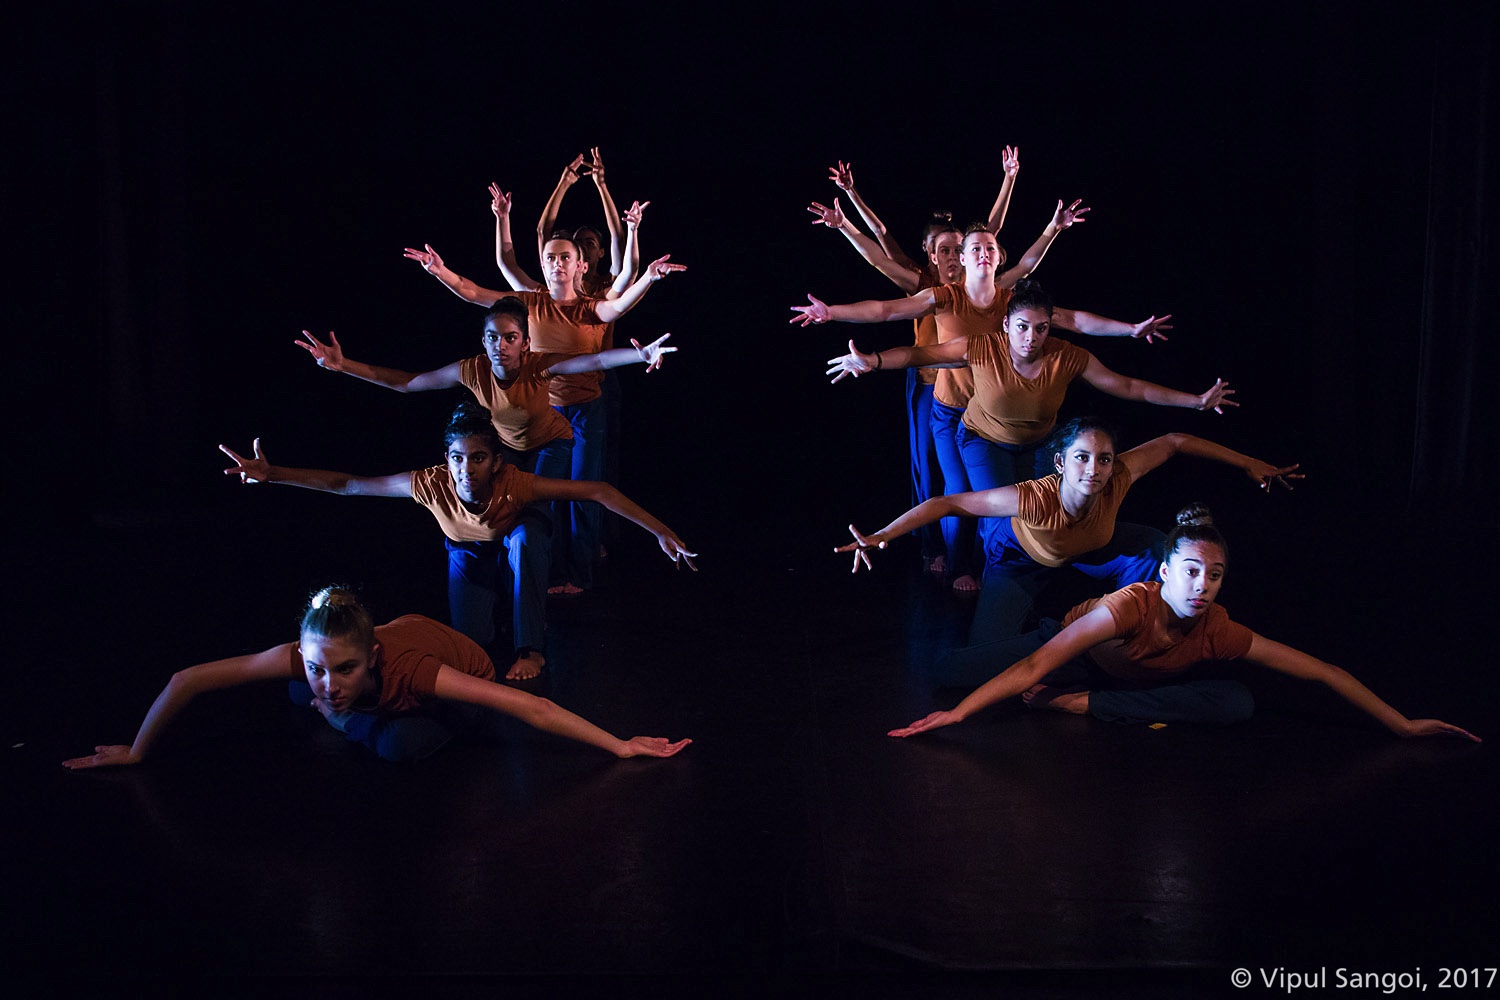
column 455, row 685
column 505, row 247
column 650, row 355
column 258, row 470
column 331, row 357
column 869, row 311
column 548, row 221
column 1290, row 661
column 950, row 354
column 610, row 310
column 1062, row 218
column 603, row 493
column 1143, row 458
column 455, row 283
column 998, row 502
column 1011, row 160
column 843, row 176
column 1099, row 326
column 1141, row 391
column 185, row 685
column 619, row 250
column 626, row 276
column 1087, row 632
column 906, row 279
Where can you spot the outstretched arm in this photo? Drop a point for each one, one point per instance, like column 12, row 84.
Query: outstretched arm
column 1141, row 391
column 185, row 685
column 548, row 221
column 1143, row 458
column 906, row 278
column 998, row 502
column 949, row 354
column 331, row 357
column 1099, row 326
column 626, row 276
column 455, row 283
column 650, row 355
column 603, row 493
column 258, row 470
column 505, row 248
column 1087, row 632
column 869, row 311
column 1011, row 160
column 610, row 310
column 455, row 685
column 1062, row 218
column 619, row 250
column 843, row 176
column 1291, row 661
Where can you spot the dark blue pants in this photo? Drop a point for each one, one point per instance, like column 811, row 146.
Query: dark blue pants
column 576, row 526
column 398, row 737
column 958, row 532
column 924, row 465
column 474, row 574
column 991, row 465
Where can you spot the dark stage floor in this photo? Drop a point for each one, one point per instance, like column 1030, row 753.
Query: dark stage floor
column 792, row 845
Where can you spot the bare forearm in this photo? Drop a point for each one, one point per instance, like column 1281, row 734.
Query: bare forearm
column 172, row 700
column 1007, row 684
column 616, row 227
column 390, row 378
column 627, row 508
column 552, row 718
column 1032, row 258
column 1355, row 693
column 1188, row 444
column 464, row 288
column 1141, row 391
column 1002, row 204
column 1091, row 323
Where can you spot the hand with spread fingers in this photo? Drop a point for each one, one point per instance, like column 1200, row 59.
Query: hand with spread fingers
column 833, row 217
column 653, row 352
column 853, row 363
column 250, row 470
column 1217, row 397
column 428, row 258
column 1151, row 328
column 861, row 547
column 329, row 355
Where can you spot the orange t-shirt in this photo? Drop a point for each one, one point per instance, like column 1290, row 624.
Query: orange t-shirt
column 1145, row 649
column 1010, row 409
column 925, row 332
column 514, row 489
column 1047, row 533
column 522, row 409
column 566, row 328
column 957, row 316
column 412, row 648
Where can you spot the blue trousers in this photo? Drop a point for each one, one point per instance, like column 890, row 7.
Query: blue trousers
column 958, row 532
column 474, row 570
column 1205, row 702
column 991, row 465
column 1012, row 579
column 398, row 737
column 576, row 526
column 923, row 456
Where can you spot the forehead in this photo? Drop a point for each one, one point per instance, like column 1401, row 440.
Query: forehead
column 1035, row 317
column 560, row 247
column 978, row 239
column 502, row 324
column 947, row 239
column 471, row 445
column 326, row 650
column 1205, row 553
column 1096, row 442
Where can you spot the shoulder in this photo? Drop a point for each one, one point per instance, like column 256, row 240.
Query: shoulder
column 430, row 482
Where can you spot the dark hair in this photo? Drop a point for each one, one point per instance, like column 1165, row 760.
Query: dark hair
column 567, row 237
column 1029, row 294
column 984, row 227
column 336, row 613
column 1195, row 523
column 514, row 308
column 471, row 420
column 1068, row 433
column 940, row 223
column 578, row 233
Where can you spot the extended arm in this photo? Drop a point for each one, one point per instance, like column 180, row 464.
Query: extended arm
column 998, row 502
column 651, row 356
column 603, row 493
column 1141, row 391
column 610, row 310
column 1011, row 159
column 185, row 685
column 1062, row 218
column 869, row 311
column 906, row 278
column 843, row 176
column 331, row 357
column 1099, row 326
column 1143, row 458
column 258, row 470
column 505, row 247
column 455, row 283
column 1287, row 660
column 548, row 221
column 626, row 276
column 1087, row 632
column 455, row 685
column 950, row 354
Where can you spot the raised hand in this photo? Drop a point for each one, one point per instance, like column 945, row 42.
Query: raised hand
column 861, row 547
column 833, row 217
column 329, row 355
column 676, row 551
column 853, row 363
column 651, row 746
column 499, row 201
column 428, row 258
column 573, row 171
column 842, row 175
column 1011, row 160
column 1435, row 727
column 934, row 721
column 1151, row 328
column 633, row 214
column 110, row 756
column 1264, row 474
column 653, row 352
column 1065, row 217
column 1217, row 397
column 595, row 166
column 250, row 470
column 816, row 311
column 660, row 268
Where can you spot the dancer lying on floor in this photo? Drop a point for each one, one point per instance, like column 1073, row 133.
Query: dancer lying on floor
column 403, row 689
column 1124, row 657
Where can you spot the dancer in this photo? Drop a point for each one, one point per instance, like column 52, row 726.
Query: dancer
column 403, row 689
column 595, row 279
column 1066, row 520
column 482, row 505
column 1125, row 657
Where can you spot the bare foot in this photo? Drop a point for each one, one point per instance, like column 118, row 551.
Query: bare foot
column 526, row 667
column 566, row 589
column 937, row 565
column 1056, row 700
column 965, row 584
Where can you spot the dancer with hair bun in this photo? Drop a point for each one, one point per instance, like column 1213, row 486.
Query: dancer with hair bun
column 403, row 689
column 1127, row 657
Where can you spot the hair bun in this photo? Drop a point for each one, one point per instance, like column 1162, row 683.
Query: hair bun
column 333, row 597
column 1195, row 515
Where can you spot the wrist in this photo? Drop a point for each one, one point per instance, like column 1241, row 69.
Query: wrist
column 879, row 361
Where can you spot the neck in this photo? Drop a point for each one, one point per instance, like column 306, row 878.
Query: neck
column 1075, row 503
column 980, row 286
column 562, row 293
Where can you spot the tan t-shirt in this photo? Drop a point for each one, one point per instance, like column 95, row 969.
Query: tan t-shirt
column 433, row 488
column 957, row 316
column 1145, row 649
column 1046, row 532
column 572, row 328
column 412, row 648
column 520, row 409
column 1010, row 409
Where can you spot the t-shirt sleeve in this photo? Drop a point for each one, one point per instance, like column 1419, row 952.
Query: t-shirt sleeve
column 1128, row 608
column 982, row 350
column 1229, row 640
column 422, row 489
column 942, row 297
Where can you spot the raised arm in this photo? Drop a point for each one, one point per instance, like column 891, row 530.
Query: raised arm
column 998, row 502
column 1141, row 391
column 1087, row 632
column 603, row 493
column 455, row 685
column 258, row 470
column 650, row 355
column 1143, row 458
column 950, row 354
column 1011, row 160
column 610, row 310
column 455, row 283
column 1062, row 218
column 548, row 221
column 906, row 278
column 1099, row 326
column 1296, row 663
column 619, row 250
column 632, row 255
column 505, row 247
column 331, row 357
column 843, row 176
column 185, row 685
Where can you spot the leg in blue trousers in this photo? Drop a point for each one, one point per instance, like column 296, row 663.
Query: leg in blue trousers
column 958, row 532
column 923, row 457
column 575, row 544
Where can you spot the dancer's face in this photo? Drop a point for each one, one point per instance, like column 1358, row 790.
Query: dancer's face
column 1027, row 330
column 1190, row 578
column 561, row 262
column 473, row 465
column 981, row 252
column 947, row 256
column 1087, row 463
column 504, row 342
column 340, row 672
column 590, row 246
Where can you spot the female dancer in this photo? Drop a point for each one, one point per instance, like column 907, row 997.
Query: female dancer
column 596, row 279
column 481, row 503
column 1120, row 657
column 400, row 688
column 1064, row 520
